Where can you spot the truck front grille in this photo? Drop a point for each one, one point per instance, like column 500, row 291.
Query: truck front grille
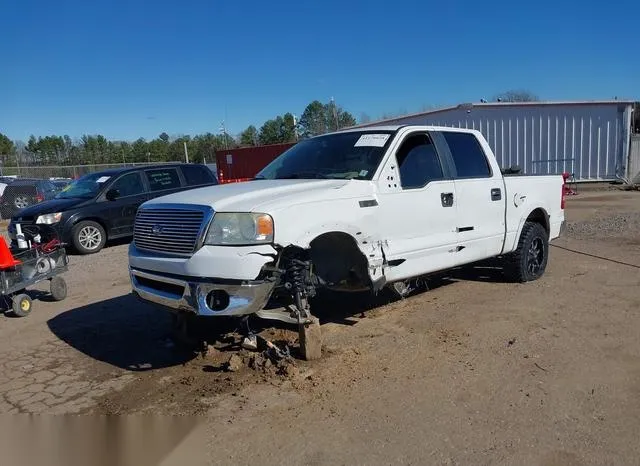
column 169, row 230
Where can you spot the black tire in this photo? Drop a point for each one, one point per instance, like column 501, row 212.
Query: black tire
column 529, row 261
column 21, row 305
column 58, row 288
column 88, row 237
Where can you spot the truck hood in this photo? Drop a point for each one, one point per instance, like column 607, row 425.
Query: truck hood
column 266, row 195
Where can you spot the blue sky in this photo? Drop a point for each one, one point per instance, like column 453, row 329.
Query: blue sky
column 135, row 68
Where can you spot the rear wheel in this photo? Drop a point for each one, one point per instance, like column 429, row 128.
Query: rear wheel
column 529, row 261
column 58, row 288
column 88, row 237
column 21, row 305
column 21, row 201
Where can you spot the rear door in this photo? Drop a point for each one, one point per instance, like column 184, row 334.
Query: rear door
column 163, row 181
column 480, row 198
column 120, row 213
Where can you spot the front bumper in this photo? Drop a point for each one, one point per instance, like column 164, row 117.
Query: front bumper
column 193, row 295
column 60, row 230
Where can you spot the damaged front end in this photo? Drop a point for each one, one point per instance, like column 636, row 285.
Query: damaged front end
column 270, row 280
column 332, row 261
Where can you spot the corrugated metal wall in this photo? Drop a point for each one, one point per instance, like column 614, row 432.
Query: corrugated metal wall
column 587, row 140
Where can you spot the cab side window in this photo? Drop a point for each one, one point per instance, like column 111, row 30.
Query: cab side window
column 468, row 156
column 418, row 162
column 129, row 185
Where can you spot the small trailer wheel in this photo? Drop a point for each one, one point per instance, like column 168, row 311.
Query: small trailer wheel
column 58, row 288
column 21, row 305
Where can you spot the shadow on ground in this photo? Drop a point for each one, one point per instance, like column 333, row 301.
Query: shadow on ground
column 346, row 308
column 136, row 336
column 121, row 331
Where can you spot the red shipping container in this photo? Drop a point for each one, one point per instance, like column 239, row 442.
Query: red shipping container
column 244, row 163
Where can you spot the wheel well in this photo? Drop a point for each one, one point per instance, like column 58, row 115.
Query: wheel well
column 336, row 258
column 539, row 216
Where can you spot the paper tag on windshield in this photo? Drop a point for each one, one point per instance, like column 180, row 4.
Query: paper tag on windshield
column 372, row 140
column 102, row 179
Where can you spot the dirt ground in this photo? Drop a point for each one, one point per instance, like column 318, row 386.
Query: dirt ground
column 473, row 371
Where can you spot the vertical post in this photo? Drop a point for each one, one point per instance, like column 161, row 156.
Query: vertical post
column 334, row 111
column 627, row 121
column 186, row 152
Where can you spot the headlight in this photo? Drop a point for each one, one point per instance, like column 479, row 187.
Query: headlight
column 234, row 229
column 49, row 219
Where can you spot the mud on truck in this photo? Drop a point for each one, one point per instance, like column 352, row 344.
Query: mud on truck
column 359, row 209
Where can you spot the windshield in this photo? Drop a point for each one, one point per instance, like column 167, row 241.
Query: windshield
column 86, row 187
column 348, row 155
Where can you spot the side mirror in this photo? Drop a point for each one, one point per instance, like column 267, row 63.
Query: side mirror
column 112, row 194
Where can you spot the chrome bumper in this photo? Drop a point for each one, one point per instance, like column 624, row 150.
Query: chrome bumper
column 191, row 295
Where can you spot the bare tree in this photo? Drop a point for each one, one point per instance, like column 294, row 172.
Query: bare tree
column 517, row 95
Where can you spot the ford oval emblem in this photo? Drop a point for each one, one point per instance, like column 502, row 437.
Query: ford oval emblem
column 156, row 229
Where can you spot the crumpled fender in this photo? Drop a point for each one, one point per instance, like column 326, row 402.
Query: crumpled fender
column 371, row 246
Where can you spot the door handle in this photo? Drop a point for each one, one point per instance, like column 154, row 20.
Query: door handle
column 496, row 194
column 446, row 199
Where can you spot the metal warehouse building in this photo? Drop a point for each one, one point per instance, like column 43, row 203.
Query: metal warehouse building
column 593, row 141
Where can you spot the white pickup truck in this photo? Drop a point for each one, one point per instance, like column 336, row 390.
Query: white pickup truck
column 353, row 210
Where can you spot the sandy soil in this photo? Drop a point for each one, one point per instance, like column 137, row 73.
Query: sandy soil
column 474, row 371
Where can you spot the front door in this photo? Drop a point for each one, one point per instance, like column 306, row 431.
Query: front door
column 480, row 198
column 122, row 210
column 417, row 204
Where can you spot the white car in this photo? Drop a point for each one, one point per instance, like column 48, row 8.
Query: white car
column 352, row 210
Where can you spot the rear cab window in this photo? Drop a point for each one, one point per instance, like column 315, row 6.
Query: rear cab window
column 161, row 179
column 468, row 157
column 196, row 175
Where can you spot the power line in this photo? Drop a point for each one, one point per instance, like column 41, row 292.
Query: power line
column 596, row 257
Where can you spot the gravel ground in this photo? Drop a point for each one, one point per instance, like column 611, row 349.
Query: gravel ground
column 618, row 225
column 474, row 371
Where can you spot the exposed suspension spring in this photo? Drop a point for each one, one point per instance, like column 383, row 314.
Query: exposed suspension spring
column 298, row 274
column 299, row 281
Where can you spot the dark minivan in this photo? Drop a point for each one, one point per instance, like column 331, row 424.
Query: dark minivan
column 102, row 206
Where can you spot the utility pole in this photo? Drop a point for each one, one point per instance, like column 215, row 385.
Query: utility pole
column 224, row 135
column 334, row 110
column 186, row 152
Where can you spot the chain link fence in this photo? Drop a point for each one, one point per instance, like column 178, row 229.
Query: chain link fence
column 65, row 171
